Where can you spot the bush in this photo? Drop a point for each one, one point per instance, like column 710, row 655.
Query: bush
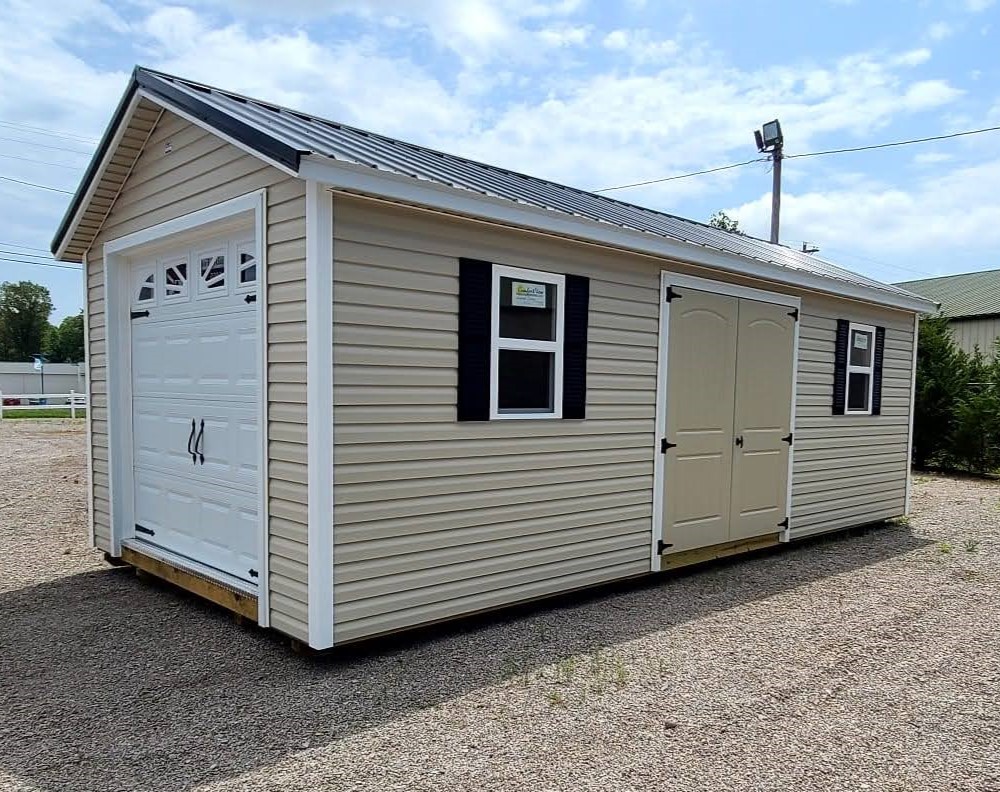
column 957, row 410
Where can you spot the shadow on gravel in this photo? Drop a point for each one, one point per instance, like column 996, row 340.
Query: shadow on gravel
column 107, row 682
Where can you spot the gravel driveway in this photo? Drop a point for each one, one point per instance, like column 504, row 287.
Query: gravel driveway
column 849, row 663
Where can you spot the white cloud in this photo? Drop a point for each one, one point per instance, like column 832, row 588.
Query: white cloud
column 932, row 219
column 643, row 46
column 939, row 31
column 978, row 6
column 932, row 158
column 913, row 57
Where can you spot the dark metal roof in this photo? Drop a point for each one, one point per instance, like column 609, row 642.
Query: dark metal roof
column 284, row 136
column 969, row 294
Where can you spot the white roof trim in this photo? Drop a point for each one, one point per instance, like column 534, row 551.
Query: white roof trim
column 420, row 192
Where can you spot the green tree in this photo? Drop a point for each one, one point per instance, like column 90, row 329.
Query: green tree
column 64, row 343
column 724, row 222
column 24, row 319
column 942, row 377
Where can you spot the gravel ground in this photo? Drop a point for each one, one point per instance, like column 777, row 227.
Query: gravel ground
column 849, row 663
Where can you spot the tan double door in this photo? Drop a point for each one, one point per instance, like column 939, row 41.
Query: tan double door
column 728, row 415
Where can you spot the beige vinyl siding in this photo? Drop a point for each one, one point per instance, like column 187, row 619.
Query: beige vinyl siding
column 203, row 170
column 849, row 469
column 975, row 332
column 435, row 518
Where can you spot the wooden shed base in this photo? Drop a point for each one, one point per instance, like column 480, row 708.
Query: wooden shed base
column 702, row 554
column 238, row 602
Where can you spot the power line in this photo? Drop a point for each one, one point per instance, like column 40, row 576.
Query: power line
column 46, row 146
column 49, row 132
column 894, row 143
column 683, row 175
column 43, row 162
column 43, row 256
column 26, row 247
column 39, row 186
column 808, row 154
column 40, row 264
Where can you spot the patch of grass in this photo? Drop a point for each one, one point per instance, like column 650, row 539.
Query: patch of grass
column 555, row 698
column 945, row 547
column 971, row 546
column 13, row 413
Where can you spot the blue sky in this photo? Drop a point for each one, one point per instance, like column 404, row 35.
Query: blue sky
column 591, row 93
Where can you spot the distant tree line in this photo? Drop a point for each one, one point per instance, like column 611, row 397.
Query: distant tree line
column 956, row 420
column 25, row 308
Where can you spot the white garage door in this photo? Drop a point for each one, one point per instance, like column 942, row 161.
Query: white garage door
column 195, row 394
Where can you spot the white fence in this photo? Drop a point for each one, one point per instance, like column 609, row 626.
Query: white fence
column 17, row 402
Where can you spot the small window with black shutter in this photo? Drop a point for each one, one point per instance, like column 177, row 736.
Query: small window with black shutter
column 857, row 388
column 522, row 343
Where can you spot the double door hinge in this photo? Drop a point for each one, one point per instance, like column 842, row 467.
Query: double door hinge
column 794, row 313
column 672, row 295
column 666, row 445
column 788, row 438
column 784, row 524
column 661, row 547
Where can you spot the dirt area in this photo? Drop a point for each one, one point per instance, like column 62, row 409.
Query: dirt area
column 863, row 662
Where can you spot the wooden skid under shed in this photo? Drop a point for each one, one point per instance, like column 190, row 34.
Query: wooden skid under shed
column 238, row 602
column 702, row 554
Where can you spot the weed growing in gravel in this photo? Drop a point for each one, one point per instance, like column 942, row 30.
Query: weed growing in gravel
column 556, row 699
column 621, row 673
column 566, row 669
column 945, row 547
column 971, row 546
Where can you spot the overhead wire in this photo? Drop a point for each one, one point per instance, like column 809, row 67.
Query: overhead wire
column 81, row 152
column 43, row 162
column 39, row 186
column 49, row 132
column 40, row 264
column 852, row 149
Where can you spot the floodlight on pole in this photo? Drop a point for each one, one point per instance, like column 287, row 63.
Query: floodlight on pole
column 770, row 139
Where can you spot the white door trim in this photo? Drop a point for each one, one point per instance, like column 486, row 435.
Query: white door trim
column 119, row 383
column 668, row 279
column 319, row 410
column 909, row 430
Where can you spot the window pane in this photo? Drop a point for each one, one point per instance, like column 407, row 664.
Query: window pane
column 213, row 271
column 527, row 309
column 857, row 391
column 526, row 382
column 861, row 348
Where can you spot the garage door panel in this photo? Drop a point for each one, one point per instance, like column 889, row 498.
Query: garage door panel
column 207, row 523
column 229, row 441
column 195, row 388
column 206, row 357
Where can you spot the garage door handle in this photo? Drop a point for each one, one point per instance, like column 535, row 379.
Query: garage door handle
column 739, row 441
column 199, row 440
column 190, row 438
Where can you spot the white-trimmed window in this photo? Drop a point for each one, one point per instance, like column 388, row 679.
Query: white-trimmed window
column 175, row 279
column 526, row 343
column 860, row 369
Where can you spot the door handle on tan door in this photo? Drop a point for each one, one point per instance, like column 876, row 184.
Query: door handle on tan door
column 739, row 440
column 200, row 440
column 190, row 438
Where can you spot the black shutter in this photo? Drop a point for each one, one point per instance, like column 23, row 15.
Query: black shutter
column 877, row 373
column 577, row 308
column 475, row 286
column 840, row 367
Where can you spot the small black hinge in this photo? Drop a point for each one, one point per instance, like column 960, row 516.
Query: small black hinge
column 253, row 573
column 794, row 313
column 665, row 446
column 661, row 546
column 144, row 530
column 788, row 438
column 783, row 524
column 139, row 314
column 672, row 295
column 250, row 298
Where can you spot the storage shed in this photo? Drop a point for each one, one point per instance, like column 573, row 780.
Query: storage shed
column 347, row 385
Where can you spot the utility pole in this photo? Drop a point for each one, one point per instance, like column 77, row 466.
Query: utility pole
column 776, row 157
column 769, row 139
